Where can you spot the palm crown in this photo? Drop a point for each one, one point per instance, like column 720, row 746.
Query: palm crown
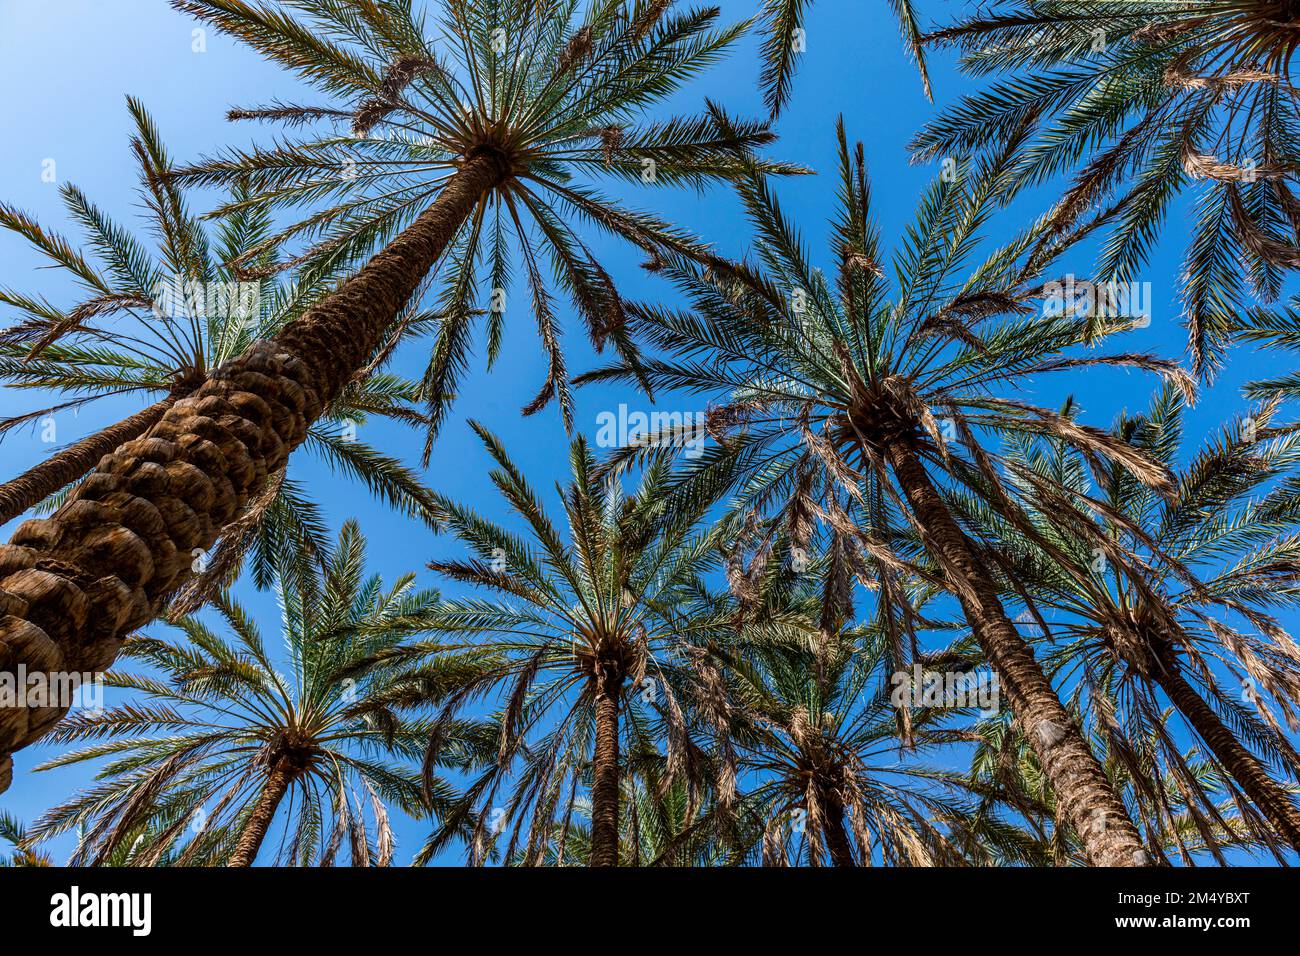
column 1176, row 593
column 223, row 735
column 817, row 728
column 592, row 642
column 555, row 89
column 1138, row 99
column 149, row 325
column 815, row 375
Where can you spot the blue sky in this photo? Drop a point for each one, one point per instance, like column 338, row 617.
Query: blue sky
column 68, row 66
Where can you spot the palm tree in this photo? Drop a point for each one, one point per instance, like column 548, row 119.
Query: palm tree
column 1004, row 765
column 533, row 95
column 818, row 729
column 588, row 646
column 146, row 328
column 1174, row 597
column 843, row 406
column 784, row 41
column 226, row 738
column 1137, row 100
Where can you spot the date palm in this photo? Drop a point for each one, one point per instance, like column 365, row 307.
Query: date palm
column 816, row 728
column 587, row 649
column 1004, row 764
column 852, row 407
column 1173, row 602
column 445, row 156
column 1141, row 101
column 147, row 327
column 223, row 737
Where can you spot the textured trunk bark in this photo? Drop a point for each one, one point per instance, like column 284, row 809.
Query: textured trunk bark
column 604, row 787
column 1084, row 794
column 835, row 833
column 1263, row 790
column 72, row 585
column 259, row 821
column 36, row 484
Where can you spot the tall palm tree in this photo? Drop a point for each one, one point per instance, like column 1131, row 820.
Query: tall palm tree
column 587, row 647
column 1173, row 599
column 1138, row 100
column 846, row 406
column 817, row 730
column 1005, row 765
column 226, row 737
column 785, row 41
column 531, row 96
column 147, row 327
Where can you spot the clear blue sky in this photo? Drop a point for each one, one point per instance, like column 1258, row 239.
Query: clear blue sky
column 66, row 68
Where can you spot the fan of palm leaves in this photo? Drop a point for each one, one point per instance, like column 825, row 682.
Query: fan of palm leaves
column 147, row 327
column 1172, row 596
column 1141, row 100
column 230, row 738
column 554, row 86
column 818, row 734
column 812, row 375
column 594, row 640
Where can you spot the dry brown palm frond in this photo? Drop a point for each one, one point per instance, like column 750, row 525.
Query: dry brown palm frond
column 837, row 586
column 860, row 260
column 1180, row 76
column 721, row 420
column 746, row 581
column 649, row 17
column 400, row 74
column 358, row 838
column 384, row 840
column 610, row 137
column 289, row 115
column 578, row 49
column 1157, row 33
column 1093, row 442
column 1204, row 166
column 677, row 740
column 1256, row 240
column 824, row 450
column 774, row 852
column 801, row 510
column 370, row 112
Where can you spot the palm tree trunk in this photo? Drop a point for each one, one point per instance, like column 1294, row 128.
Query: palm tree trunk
column 259, row 821
column 604, row 787
column 1263, row 790
column 58, row 471
column 72, row 585
column 1082, row 789
column 835, row 833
